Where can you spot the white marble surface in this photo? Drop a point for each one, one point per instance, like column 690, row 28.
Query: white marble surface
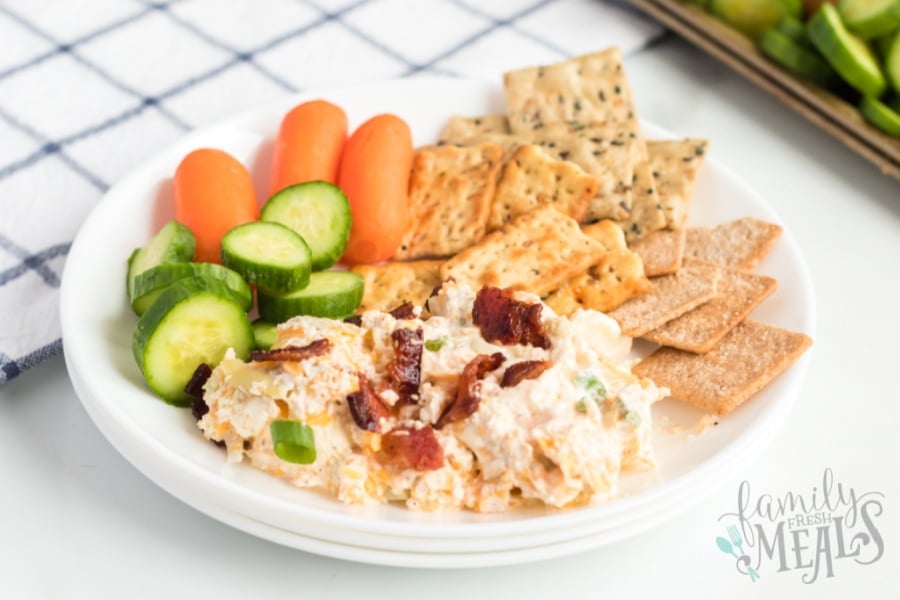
column 77, row 521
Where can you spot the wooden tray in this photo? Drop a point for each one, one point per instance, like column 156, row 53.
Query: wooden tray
column 825, row 110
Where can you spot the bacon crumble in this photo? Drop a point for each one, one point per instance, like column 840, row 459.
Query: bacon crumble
column 404, row 370
column 410, row 448
column 354, row 320
column 502, row 318
column 526, row 369
column 366, row 407
column 292, row 353
column 406, row 310
column 468, row 388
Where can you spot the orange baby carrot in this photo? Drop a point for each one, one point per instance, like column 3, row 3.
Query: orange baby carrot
column 374, row 175
column 213, row 193
column 309, row 145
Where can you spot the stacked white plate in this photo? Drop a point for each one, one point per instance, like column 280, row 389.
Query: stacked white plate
column 164, row 443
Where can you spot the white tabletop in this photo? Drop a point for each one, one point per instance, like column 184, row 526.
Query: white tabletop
column 78, row 521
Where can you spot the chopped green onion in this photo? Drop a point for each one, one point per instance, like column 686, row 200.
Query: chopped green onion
column 592, row 385
column 629, row 416
column 293, row 441
column 581, row 406
column 436, row 344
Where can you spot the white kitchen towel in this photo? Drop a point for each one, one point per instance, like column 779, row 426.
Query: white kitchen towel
column 90, row 88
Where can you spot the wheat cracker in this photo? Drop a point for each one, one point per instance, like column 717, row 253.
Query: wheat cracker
column 737, row 294
column 739, row 244
column 672, row 295
column 390, row 284
column 749, row 357
column 661, row 251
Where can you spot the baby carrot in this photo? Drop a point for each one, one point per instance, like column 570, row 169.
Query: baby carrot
column 213, row 193
column 309, row 145
column 374, row 175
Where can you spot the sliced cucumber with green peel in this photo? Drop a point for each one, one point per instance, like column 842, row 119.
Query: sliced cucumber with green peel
column 795, row 58
column 870, row 18
column 793, row 28
column 270, row 255
column 319, row 212
column 850, row 56
column 881, row 116
column 194, row 321
column 753, row 17
column 892, row 62
column 154, row 281
column 265, row 334
column 174, row 243
column 331, row 294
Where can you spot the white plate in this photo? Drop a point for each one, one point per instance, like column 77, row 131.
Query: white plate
column 163, row 442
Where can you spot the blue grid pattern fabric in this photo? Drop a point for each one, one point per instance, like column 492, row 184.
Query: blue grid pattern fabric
column 90, row 88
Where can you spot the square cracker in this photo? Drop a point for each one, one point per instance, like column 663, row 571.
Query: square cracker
column 647, row 212
column 617, row 277
column 586, row 89
column 661, row 251
column 740, row 244
column 450, row 192
column 536, row 252
column 737, row 293
column 533, row 177
column 459, row 129
column 390, row 284
column 671, row 296
column 675, row 165
column 741, row 364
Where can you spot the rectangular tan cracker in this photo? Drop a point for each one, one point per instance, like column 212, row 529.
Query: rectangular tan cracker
column 675, row 165
column 533, row 177
column 661, row 251
column 672, row 295
column 459, row 129
column 390, row 284
column 617, row 277
column 741, row 364
column 737, row 294
column 586, row 89
column 740, row 244
column 450, row 192
column 647, row 212
column 536, row 252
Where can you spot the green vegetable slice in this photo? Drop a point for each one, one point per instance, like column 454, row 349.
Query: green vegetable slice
column 881, row 116
column 174, row 243
column 154, row 281
column 293, row 441
column 870, row 18
column 194, row 321
column 850, row 56
column 265, row 334
column 331, row 294
column 797, row 59
column 319, row 212
column 753, row 17
column 892, row 62
column 794, row 29
column 268, row 255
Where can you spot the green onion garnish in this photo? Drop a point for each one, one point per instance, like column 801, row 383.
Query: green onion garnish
column 436, row 344
column 293, row 441
column 592, row 385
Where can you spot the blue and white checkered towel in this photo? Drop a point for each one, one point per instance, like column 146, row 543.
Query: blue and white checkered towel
column 90, row 88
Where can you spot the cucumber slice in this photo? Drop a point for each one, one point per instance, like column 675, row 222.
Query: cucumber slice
column 265, row 334
column 154, row 281
column 194, row 321
column 797, row 59
column 174, row 243
column 753, row 17
column 870, row 18
column 269, row 255
column 330, row 294
column 881, row 116
column 892, row 62
column 319, row 212
column 850, row 56
column 793, row 28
